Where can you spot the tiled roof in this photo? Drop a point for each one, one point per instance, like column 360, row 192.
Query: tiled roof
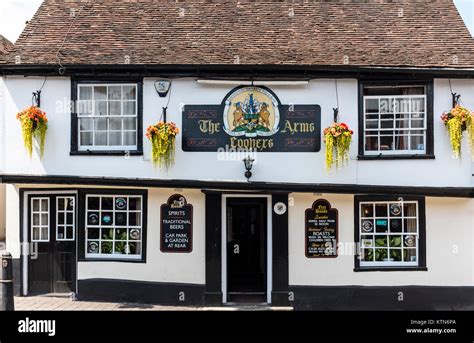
column 409, row 33
column 5, row 45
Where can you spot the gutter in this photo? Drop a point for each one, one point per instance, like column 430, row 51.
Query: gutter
column 299, row 72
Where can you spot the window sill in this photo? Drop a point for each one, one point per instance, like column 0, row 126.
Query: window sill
column 390, row 269
column 90, row 259
column 395, row 157
column 106, row 153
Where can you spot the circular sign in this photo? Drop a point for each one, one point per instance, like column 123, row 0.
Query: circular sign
column 367, row 225
column 93, row 247
column 395, row 224
column 395, row 209
column 279, row 208
column 120, row 203
column 409, row 241
column 93, row 219
column 106, row 219
column 135, row 234
column 251, row 112
column 120, row 218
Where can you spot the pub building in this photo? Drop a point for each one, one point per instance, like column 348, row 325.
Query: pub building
column 238, row 196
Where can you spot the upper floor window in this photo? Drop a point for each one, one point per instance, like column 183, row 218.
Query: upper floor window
column 108, row 118
column 396, row 120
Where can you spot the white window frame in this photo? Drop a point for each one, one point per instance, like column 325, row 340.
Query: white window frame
column 394, row 129
column 113, row 256
column 65, row 212
column 93, row 116
column 40, row 225
column 368, row 264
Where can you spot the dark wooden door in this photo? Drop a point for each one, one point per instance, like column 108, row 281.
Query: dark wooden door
column 246, row 249
column 52, row 232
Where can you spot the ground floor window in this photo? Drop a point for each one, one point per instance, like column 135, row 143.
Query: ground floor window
column 40, row 219
column 390, row 231
column 114, row 226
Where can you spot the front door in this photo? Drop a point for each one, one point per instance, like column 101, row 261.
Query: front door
column 52, row 231
column 246, row 250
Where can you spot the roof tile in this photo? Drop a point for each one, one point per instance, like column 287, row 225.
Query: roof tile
column 418, row 33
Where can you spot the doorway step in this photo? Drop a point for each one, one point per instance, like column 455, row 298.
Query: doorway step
column 248, row 307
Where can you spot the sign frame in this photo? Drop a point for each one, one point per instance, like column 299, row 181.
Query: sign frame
column 308, row 213
column 190, row 231
column 298, row 129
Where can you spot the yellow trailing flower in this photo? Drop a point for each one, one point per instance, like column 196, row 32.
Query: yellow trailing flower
column 338, row 138
column 162, row 137
column 458, row 120
column 34, row 123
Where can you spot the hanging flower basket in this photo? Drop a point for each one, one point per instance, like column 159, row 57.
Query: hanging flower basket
column 162, row 137
column 34, row 123
column 458, row 120
column 338, row 138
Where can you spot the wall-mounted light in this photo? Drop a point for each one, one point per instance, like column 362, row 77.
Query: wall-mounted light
column 162, row 87
column 248, row 163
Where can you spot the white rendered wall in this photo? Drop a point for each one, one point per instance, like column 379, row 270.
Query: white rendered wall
column 2, row 212
column 297, row 167
column 160, row 267
column 449, row 247
column 2, row 156
column 12, row 217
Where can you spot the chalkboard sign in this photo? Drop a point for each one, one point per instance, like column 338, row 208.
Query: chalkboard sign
column 321, row 230
column 176, row 225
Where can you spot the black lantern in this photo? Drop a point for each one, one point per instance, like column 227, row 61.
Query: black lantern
column 248, row 163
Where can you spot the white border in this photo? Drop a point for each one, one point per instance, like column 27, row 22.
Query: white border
column 269, row 241
column 65, row 225
column 394, row 151
column 402, row 233
column 94, row 116
column 113, row 256
column 40, row 212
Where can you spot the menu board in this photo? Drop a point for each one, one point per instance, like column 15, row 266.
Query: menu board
column 321, row 230
column 177, row 225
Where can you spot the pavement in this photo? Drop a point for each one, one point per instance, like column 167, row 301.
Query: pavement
column 64, row 303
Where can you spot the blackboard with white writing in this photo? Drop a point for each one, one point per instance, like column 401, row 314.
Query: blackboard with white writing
column 177, row 225
column 321, row 230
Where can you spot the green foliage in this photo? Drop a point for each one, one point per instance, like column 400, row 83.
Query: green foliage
column 458, row 120
column 396, row 241
column 163, row 151
column 34, row 123
column 338, row 138
column 27, row 133
column 41, row 134
column 455, row 131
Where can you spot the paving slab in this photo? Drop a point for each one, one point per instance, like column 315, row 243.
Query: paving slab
column 64, row 303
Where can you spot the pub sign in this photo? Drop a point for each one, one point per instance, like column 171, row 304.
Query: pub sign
column 252, row 119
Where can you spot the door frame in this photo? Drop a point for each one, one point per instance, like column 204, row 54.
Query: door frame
column 25, row 243
column 269, row 243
